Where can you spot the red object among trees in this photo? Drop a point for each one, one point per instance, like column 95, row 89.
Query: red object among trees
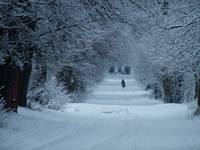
column 10, row 86
column 14, row 83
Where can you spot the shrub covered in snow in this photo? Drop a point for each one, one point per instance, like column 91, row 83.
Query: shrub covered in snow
column 3, row 114
column 50, row 96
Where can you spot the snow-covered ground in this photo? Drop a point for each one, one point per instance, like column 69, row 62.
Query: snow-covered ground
column 110, row 92
column 132, row 123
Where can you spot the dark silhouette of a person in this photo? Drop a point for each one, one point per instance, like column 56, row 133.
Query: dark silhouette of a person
column 123, row 83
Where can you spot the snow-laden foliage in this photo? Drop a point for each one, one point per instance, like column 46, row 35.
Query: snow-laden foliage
column 164, row 39
column 17, row 25
column 69, row 35
column 54, row 34
column 52, row 96
column 160, row 38
column 3, row 114
column 163, row 36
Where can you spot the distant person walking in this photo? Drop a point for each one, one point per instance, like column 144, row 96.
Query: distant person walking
column 123, row 83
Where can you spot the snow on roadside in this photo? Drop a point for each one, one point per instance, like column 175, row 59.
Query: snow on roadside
column 138, row 124
column 91, row 127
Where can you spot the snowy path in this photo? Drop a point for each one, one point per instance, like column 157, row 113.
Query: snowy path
column 110, row 92
column 135, row 124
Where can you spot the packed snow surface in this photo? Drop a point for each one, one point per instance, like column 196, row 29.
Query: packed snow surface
column 111, row 119
column 111, row 92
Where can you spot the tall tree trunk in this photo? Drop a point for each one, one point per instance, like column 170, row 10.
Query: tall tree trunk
column 10, row 75
column 15, row 78
column 24, row 80
column 197, row 112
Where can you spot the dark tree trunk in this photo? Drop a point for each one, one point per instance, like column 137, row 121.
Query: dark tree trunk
column 127, row 70
column 12, row 99
column 3, row 80
column 112, row 69
column 14, row 84
column 120, row 69
column 198, row 102
column 156, row 90
column 168, row 97
column 24, row 82
column 39, row 78
column 14, row 79
column 173, row 88
column 197, row 112
column 10, row 83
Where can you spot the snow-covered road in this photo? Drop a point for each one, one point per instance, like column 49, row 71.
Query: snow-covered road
column 111, row 119
column 110, row 92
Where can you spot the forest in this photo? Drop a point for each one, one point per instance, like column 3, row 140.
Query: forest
column 53, row 52
column 70, row 44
